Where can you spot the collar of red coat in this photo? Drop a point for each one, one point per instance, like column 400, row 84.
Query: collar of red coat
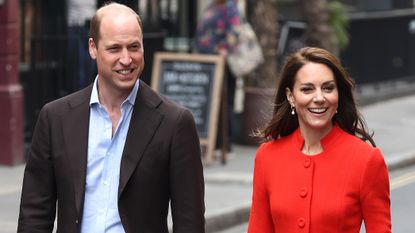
column 326, row 141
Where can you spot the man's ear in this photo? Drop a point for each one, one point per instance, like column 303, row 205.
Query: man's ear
column 92, row 48
column 289, row 95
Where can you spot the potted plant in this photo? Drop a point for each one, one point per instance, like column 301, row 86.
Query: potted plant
column 259, row 86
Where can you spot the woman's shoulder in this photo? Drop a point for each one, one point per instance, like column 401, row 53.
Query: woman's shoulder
column 352, row 144
column 353, row 141
column 275, row 145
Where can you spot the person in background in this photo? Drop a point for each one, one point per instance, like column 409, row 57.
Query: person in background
column 79, row 64
column 217, row 33
column 113, row 156
column 315, row 172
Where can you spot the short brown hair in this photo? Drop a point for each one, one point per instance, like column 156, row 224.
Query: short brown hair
column 94, row 27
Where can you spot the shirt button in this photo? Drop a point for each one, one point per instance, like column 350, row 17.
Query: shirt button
column 307, row 163
column 105, row 183
column 303, row 192
column 301, row 222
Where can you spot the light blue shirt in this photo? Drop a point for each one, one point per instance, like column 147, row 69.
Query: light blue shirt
column 100, row 213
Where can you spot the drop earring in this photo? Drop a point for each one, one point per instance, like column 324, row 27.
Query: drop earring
column 292, row 110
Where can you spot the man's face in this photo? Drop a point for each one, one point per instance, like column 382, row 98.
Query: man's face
column 119, row 53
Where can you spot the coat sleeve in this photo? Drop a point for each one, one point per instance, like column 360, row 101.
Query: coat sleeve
column 260, row 220
column 186, row 178
column 375, row 195
column 38, row 199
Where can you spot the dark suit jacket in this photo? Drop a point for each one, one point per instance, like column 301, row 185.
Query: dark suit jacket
column 161, row 162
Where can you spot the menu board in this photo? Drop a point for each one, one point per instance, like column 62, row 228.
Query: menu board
column 193, row 81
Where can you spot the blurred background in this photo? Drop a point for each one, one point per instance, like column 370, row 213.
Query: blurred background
column 43, row 56
column 44, row 45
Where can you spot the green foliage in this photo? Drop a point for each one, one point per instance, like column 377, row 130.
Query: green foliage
column 339, row 22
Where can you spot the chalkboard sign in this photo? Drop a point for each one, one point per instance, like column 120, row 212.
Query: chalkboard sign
column 193, row 81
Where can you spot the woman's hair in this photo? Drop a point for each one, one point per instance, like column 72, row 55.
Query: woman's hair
column 347, row 117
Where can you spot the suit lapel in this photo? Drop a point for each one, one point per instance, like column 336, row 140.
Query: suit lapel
column 144, row 123
column 75, row 133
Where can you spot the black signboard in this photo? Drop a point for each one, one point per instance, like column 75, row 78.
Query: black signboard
column 193, row 81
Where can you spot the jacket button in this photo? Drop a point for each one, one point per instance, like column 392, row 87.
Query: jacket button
column 307, row 163
column 303, row 192
column 76, row 221
column 301, row 222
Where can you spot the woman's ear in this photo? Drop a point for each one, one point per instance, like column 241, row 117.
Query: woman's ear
column 290, row 96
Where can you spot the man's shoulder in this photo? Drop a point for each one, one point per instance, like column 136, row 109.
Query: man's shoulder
column 70, row 100
column 158, row 100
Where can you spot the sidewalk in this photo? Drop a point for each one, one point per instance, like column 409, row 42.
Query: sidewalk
column 229, row 187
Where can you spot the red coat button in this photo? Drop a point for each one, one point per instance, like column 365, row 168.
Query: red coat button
column 301, row 222
column 307, row 163
column 303, row 192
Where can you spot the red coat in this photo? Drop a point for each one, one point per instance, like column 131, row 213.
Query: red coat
column 330, row 192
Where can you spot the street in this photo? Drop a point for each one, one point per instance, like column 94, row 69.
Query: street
column 402, row 197
column 403, row 204
column 228, row 188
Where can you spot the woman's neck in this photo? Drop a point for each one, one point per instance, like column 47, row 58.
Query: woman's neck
column 312, row 140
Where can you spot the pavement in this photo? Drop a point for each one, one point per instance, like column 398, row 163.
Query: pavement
column 389, row 111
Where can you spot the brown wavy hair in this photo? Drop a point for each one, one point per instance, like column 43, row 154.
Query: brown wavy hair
column 347, row 118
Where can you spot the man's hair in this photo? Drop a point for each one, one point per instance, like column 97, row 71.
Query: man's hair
column 95, row 24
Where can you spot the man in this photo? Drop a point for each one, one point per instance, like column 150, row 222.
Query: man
column 113, row 155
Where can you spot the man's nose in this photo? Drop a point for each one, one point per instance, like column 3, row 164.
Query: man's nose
column 125, row 58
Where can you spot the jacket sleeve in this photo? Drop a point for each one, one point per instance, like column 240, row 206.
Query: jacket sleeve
column 375, row 195
column 260, row 220
column 186, row 178
column 38, row 199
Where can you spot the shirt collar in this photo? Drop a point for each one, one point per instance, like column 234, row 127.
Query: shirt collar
column 130, row 98
column 325, row 141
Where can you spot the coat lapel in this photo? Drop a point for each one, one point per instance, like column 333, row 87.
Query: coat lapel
column 144, row 123
column 75, row 133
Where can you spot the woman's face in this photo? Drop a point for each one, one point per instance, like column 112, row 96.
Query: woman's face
column 315, row 97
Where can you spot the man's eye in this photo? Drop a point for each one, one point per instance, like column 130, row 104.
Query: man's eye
column 113, row 49
column 135, row 47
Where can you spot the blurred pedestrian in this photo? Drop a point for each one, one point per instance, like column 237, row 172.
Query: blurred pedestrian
column 113, row 156
column 315, row 172
column 217, row 33
column 79, row 64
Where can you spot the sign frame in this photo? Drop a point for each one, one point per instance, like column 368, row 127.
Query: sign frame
column 218, row 61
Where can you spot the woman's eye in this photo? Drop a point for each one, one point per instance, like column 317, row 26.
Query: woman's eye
column 306, row 89
column 329, row 88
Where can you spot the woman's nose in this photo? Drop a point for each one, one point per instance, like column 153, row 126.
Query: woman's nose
column 319, row 97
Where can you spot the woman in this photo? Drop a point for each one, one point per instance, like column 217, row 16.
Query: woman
column 217, row 33
column 315, row 172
